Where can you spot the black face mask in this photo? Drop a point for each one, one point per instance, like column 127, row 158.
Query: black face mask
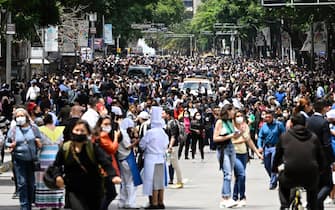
column 39, row 114
column 79, row 138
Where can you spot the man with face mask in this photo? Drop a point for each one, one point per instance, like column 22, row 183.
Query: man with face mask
column 33, row 92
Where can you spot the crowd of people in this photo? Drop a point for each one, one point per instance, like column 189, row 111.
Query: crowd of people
column 99, row 126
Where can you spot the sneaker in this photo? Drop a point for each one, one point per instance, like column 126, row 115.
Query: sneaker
column 230, row 203
column 178, row 186
column 273, row 187
column 328, row 201
column 242, row 203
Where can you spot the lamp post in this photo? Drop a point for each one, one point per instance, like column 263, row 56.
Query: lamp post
column 93, row 19
column 9, row 49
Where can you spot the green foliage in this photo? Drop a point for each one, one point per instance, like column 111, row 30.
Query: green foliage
column 168, row 11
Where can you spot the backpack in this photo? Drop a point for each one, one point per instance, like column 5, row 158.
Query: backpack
column 90, row 152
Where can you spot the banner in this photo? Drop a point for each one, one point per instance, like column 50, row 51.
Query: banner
column 320, row 38
column 285, row 39
column 260, row 39
column 108, row 34
column 267, row 35
column 86, row 54
column 83, row 27
column 51, row 39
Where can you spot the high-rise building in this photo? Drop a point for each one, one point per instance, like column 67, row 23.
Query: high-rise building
column 191, row 6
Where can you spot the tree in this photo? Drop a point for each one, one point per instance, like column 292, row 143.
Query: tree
column 28, row 14
column 247, row 13
column 167, row 11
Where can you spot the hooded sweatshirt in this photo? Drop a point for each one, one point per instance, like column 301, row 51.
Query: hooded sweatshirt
column 300, row 152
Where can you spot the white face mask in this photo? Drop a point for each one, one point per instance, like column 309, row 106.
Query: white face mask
column 106, row 129
column 198, row 117
column 21, row 120
column 186, row 115
column 285, row 115
column 239, row 120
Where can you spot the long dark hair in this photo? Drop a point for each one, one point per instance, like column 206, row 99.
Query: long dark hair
column 224, row 114
column 82, row 122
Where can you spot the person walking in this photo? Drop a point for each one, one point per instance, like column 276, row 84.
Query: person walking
column 154, row 144
column 186, row 122
column 108, row 139
column 173, row 133
column 299, row 159
column 267, row 139
column 79, row 162
column 223, row 134
column 198, row 133
column 24, row 140
column 129, row 171
column 320, row 126
column 51, row 138
column 240, row 146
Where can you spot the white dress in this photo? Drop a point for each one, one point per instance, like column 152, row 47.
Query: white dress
column 154, row 143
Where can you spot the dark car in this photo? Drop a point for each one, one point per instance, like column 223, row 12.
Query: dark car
column 139, row 71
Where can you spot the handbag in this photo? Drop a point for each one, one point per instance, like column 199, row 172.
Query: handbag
column 49, row 177
column 27, row 151
column 23, row 151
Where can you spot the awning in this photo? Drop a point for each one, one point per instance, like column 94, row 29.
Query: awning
column 38, row 61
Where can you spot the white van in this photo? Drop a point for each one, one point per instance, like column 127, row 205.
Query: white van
column 197, row 85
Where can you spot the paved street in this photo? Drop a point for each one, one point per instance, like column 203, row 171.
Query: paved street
column 201, row 191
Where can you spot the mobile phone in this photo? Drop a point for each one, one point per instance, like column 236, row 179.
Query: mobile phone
column 237, row 132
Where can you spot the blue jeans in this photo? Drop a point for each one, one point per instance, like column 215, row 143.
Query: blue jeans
column 239, row 171
column 228, row 166
column 269, row 154
column 25, row 182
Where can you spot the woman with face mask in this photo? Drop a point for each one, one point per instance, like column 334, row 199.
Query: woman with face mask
column 24, row 141
column 187, row 123
column 80, row 162
column 108, row 139
column 197, row 132
column 240, row 142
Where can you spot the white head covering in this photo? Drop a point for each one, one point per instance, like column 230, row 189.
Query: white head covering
column 126, row 123
column 144, row 115
column 156, row 117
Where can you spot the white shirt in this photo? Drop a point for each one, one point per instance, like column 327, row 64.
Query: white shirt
column 91, row 116
column 33, row 93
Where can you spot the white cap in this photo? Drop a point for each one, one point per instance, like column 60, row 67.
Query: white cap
column 144, row 115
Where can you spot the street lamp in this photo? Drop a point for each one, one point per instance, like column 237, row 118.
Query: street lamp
column 93, row 30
